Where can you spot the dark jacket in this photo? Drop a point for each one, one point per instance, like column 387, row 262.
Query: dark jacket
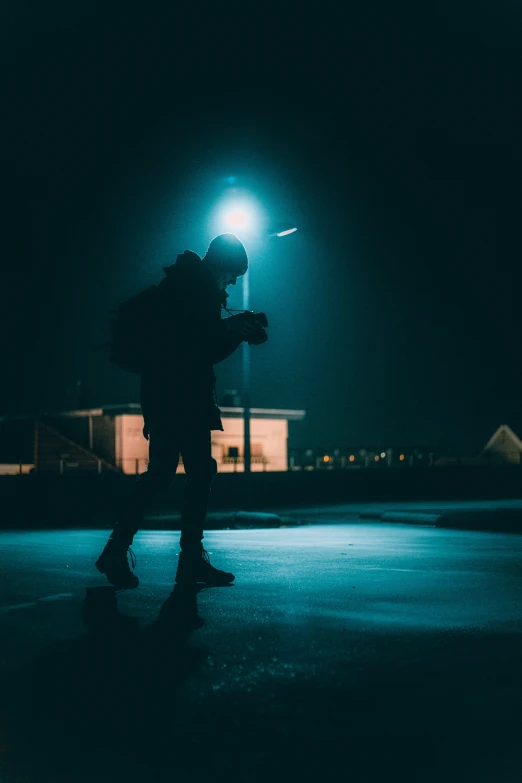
column 178, row 383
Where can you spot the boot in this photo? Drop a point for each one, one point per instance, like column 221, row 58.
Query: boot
column 114, row 564
column 194, row 566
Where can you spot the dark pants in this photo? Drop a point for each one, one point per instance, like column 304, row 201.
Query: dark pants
column 166, row 444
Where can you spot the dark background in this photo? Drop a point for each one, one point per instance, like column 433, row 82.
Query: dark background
column 390, row 134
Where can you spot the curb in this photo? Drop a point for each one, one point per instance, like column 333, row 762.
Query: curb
column 233, row 520
column 414, row 518
column 491, row 520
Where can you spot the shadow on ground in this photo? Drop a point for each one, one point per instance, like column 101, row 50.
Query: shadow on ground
column 109, row 706
column 106, row 698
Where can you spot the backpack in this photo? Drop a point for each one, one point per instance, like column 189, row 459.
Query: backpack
column 138, row 323
column 132, row 330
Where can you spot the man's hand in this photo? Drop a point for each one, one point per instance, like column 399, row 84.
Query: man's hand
column 240, row 326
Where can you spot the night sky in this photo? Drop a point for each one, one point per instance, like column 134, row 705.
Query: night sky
column 390, row 134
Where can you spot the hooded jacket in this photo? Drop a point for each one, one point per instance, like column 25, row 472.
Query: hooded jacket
column 178, row 382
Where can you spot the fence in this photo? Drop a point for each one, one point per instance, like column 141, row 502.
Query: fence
column 372, row 459
column 298, row 460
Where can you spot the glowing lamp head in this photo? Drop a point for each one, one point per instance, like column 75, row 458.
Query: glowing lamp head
column 239, row 213
column 237, row 219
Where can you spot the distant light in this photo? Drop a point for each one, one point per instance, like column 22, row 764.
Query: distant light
column 285, row 233
column 352, row 458
column 237, row 212
column 376, row 458
column 401, row 457
column 383, row 454
column 326, row 458
column 231, row 180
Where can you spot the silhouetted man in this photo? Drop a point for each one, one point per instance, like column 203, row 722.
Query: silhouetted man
column 178, row 400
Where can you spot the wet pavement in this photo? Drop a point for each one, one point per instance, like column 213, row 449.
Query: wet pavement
column 364, row 650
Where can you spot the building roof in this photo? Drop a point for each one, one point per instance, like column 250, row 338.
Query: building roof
column 264, row 413
column 135, row 408
column 501, row 437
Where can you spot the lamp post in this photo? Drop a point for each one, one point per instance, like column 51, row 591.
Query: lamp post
column 281, row 231
column 240, row 218
column 245, row 347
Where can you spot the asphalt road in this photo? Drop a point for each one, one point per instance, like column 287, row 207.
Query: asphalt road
column 361, row 651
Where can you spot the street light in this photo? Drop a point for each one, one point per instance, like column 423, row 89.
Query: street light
column 246, row 376
column 242, row 215
column 237, row 220
column 284, row 232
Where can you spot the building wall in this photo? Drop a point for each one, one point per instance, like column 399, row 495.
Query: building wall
column 13, row 469
column 269, row 445
column 269, row 439
column 504, row 449
column 131, row 448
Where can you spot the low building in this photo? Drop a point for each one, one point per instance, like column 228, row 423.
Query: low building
column 111, row 438
column 28, row 444
column 503, row 447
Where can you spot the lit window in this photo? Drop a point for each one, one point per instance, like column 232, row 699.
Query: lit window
column 352, row 458
column 376, row 458
column 401, row 457
column 383, row 454
column 326, row 458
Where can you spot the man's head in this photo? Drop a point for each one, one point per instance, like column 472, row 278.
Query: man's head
column 227, row 258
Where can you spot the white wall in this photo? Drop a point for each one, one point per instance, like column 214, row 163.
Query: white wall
column 269, row 437
column 13, row 469
column 132, row 450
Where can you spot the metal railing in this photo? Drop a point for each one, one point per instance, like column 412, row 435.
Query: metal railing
column 357, row 459
column 297, row 460
column 65, row 466
column 259, row 463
